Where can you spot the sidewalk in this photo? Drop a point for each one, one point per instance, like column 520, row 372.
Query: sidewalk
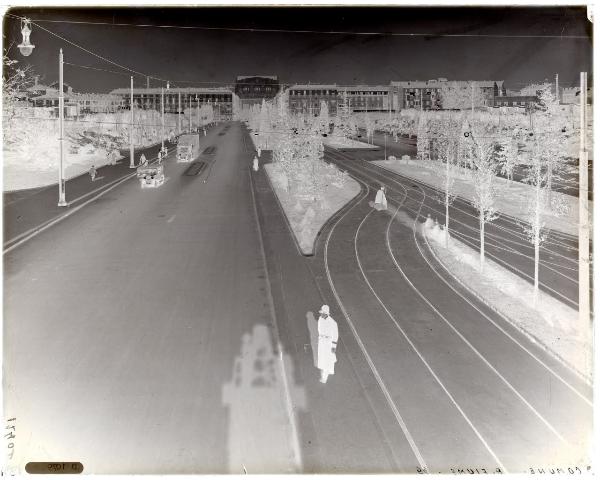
column 27, row 210
column 340, row 426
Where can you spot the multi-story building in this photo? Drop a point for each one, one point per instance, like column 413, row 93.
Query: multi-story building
column 254, row 89
column 515, row 101
column 179, row 99
column 425, row 94
column 307, row 98
column 368, row 98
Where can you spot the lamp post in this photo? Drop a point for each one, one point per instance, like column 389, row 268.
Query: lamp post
column 179, row 113
column 131, row 149
column 198, row 111
column 61, row 129
column 162, row 119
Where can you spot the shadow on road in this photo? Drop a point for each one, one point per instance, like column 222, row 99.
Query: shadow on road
column 262, row 436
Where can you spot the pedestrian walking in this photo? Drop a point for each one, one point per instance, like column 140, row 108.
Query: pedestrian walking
column 204, row 132
column 255, row 164
column 159, row 156
column 380, row 200
column 328, row 338
column 259, row 151
column 93, row 172
column 143, row 160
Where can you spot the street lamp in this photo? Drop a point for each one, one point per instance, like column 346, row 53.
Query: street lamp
column 26, row 47
column 162, row 108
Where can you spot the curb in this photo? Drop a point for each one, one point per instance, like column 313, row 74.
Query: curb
column 285, row 368
column 532, row 338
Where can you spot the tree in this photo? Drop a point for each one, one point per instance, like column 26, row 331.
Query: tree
column 322, row 123
column 455, row 96
column 369, row 127
column 344, row 123
column 483, row 174
column 509, row 157
column 423, row 137
column 15, row 81
column 538, row 204
column 447, row 138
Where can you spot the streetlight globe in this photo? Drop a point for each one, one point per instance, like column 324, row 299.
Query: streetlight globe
column 25, row 47
column 26, row 50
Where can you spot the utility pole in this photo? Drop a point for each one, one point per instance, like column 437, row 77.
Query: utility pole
column 472, row 99
column 61, row 132
column 198, row 110
column 131, row 149
column 557, row 94
column 190, row 116
column 421, row 90
column 162, row 118
column 179, row 113
column 584, row 229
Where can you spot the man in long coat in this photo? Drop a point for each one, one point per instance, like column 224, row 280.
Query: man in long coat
column 328, row 337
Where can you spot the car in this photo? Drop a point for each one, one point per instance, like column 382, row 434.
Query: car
column 151, row 176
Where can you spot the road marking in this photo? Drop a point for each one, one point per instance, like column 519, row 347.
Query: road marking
column 37, row 230
column 376, row 374
column 288, row 397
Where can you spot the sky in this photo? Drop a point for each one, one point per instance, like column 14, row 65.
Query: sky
column 503, row 44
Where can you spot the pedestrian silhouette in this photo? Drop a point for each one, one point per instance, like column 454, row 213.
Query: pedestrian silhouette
column 328, row 337
column 380, row 200
column 143, row 160
column 259, row 151
column 255, row 164
column 93, row 173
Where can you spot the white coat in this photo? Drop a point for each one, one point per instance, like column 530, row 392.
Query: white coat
column 328, row 336
column 380, row 200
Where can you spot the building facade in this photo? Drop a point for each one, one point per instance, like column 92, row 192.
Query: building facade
column 515, row 101
column 368, row 98
column 254, row 89
column 307, row 99
column 426, row 94
column 179, row 99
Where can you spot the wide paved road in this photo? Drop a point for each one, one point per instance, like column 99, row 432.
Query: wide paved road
column 138, row 336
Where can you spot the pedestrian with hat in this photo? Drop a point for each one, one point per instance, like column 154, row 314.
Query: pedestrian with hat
column 328, row 337
column 380, row 200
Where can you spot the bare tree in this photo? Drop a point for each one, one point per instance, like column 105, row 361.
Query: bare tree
column 509, row 157
column 483, row 173
column 446, row 133
column 455, row 96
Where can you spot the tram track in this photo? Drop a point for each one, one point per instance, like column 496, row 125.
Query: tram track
column 347, row 163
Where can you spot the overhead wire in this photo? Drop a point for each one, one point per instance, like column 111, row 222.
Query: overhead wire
column 306, row 31
column 280, row 84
